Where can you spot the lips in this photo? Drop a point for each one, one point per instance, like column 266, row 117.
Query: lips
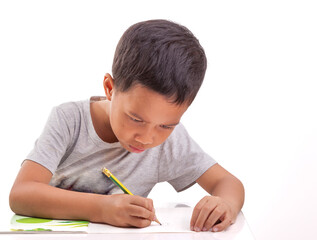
column 136, row 150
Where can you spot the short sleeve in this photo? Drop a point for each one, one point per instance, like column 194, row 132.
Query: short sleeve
column 183, row 161
column 53, row 142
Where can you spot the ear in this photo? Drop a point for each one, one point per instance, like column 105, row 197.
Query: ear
column 108, row 86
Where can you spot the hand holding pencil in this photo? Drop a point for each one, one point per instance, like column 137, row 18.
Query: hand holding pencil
column 139, row 209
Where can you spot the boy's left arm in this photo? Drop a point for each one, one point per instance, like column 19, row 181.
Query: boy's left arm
column 218, row 211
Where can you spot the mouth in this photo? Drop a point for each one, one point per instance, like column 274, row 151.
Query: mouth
column 136, row 150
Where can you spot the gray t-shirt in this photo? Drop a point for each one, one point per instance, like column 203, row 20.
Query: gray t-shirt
column 71, row 149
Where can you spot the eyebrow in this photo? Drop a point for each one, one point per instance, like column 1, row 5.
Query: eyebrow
column 137, row 116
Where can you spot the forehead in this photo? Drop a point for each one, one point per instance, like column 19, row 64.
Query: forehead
column 149, row 104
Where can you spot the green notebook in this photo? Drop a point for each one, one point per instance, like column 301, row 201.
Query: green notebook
column 25, row 224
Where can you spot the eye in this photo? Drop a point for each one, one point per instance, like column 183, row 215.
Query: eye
column 135, row 120
column 166, row 127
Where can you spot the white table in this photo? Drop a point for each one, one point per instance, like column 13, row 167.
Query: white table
column 237, row 231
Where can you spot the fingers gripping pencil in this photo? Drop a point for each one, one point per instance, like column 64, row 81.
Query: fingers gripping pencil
column 120, row 185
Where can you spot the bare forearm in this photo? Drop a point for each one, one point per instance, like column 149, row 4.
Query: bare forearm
column 42, row 200
column 32, row 195
column 221, row 209
column 231, row 190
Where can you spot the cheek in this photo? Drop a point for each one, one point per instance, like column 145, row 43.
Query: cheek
column 120, row 127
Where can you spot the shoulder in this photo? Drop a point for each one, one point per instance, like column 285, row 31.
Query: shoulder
column 69, row 115
column 70, row 110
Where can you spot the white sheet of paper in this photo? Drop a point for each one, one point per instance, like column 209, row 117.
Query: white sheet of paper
column 172, row 219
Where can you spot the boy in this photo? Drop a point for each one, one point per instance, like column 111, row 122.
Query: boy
column 135, row 132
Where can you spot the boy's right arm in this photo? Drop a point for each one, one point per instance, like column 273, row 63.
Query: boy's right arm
column 32, row 195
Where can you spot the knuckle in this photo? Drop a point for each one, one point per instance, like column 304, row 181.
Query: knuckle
column 223, row 205
column 198, row 208
column 204, row 208
column 144, row 213
column 217, row 199
column 128, row 209
column 218, row 211
column 147, row 214
column 206, row 197
column 150, row 201
column 145, row 202
column 140, row 212
column 150, row 204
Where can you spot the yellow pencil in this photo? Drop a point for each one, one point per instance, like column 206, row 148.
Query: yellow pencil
column 120, row 185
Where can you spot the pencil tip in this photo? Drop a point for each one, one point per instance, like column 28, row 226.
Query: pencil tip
column 156, row 220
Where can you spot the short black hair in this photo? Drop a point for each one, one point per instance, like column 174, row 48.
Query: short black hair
column 162, row 56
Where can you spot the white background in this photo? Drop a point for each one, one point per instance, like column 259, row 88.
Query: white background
column 255, row 114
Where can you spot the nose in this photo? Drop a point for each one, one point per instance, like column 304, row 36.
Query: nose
column 145, row 137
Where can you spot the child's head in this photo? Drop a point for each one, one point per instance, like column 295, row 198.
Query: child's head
column 158, row 69
column 162, row 56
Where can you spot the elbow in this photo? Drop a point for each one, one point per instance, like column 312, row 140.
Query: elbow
column 242, row 189
column 15, row 198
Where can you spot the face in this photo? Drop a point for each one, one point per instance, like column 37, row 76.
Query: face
column 141, row 118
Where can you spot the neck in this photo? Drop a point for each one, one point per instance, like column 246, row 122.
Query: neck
column 99, row 112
